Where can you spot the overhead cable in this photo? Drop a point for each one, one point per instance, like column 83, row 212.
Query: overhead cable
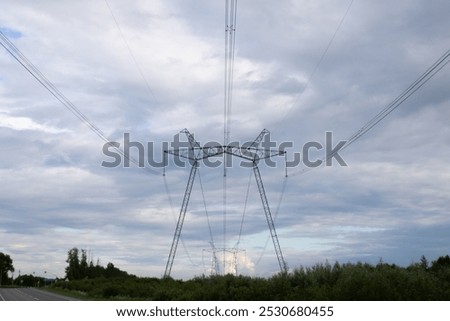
column 435, row 68
column 316, row 67
column 230, row 28
column 138, row 67
column 52, row 89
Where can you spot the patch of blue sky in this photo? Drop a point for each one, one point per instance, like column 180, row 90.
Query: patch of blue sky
column 11, row 33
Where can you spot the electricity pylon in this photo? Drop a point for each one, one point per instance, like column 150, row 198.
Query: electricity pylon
column 252, row 153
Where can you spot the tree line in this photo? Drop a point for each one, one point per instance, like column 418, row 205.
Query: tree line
column 79, row 268
column 323, row 281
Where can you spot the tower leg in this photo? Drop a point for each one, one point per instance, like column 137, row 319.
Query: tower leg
column 270, row 223
column 176, row 236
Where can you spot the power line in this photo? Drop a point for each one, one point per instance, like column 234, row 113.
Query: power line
column 52, row 89
column 230, row 28
column 230, row 44
column 416, row 85
column 138, row 67
column 244, row 211
column 435, row 68
column 316, row 67
column 206, row 210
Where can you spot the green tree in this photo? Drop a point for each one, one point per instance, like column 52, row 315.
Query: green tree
column 423, row 262
column 6, row 265
column 73, row 269
column 83, row 264
column 112, row 272
column 29, row 280
column 442, row 263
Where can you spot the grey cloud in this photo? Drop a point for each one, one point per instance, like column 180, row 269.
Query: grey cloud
column 390, row 202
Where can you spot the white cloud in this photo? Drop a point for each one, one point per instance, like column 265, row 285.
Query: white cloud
column 25, row 123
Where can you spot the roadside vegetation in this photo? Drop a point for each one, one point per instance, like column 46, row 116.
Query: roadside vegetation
column 350, row 281
column 323, row 281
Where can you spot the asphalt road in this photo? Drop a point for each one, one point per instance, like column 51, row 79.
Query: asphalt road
column 30, row 294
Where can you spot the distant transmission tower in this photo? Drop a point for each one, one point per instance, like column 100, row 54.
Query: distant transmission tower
column 214, row 269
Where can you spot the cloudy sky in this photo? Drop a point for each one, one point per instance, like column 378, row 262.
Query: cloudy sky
column 153, row 68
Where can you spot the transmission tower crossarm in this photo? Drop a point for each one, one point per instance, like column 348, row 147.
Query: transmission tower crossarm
column 251, row 153
column 197, row 153
column 191, row 139
column 177, row 234
column 258, row 139
column 270, row 223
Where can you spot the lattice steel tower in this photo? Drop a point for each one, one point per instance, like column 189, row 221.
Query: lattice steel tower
column 195, row 153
